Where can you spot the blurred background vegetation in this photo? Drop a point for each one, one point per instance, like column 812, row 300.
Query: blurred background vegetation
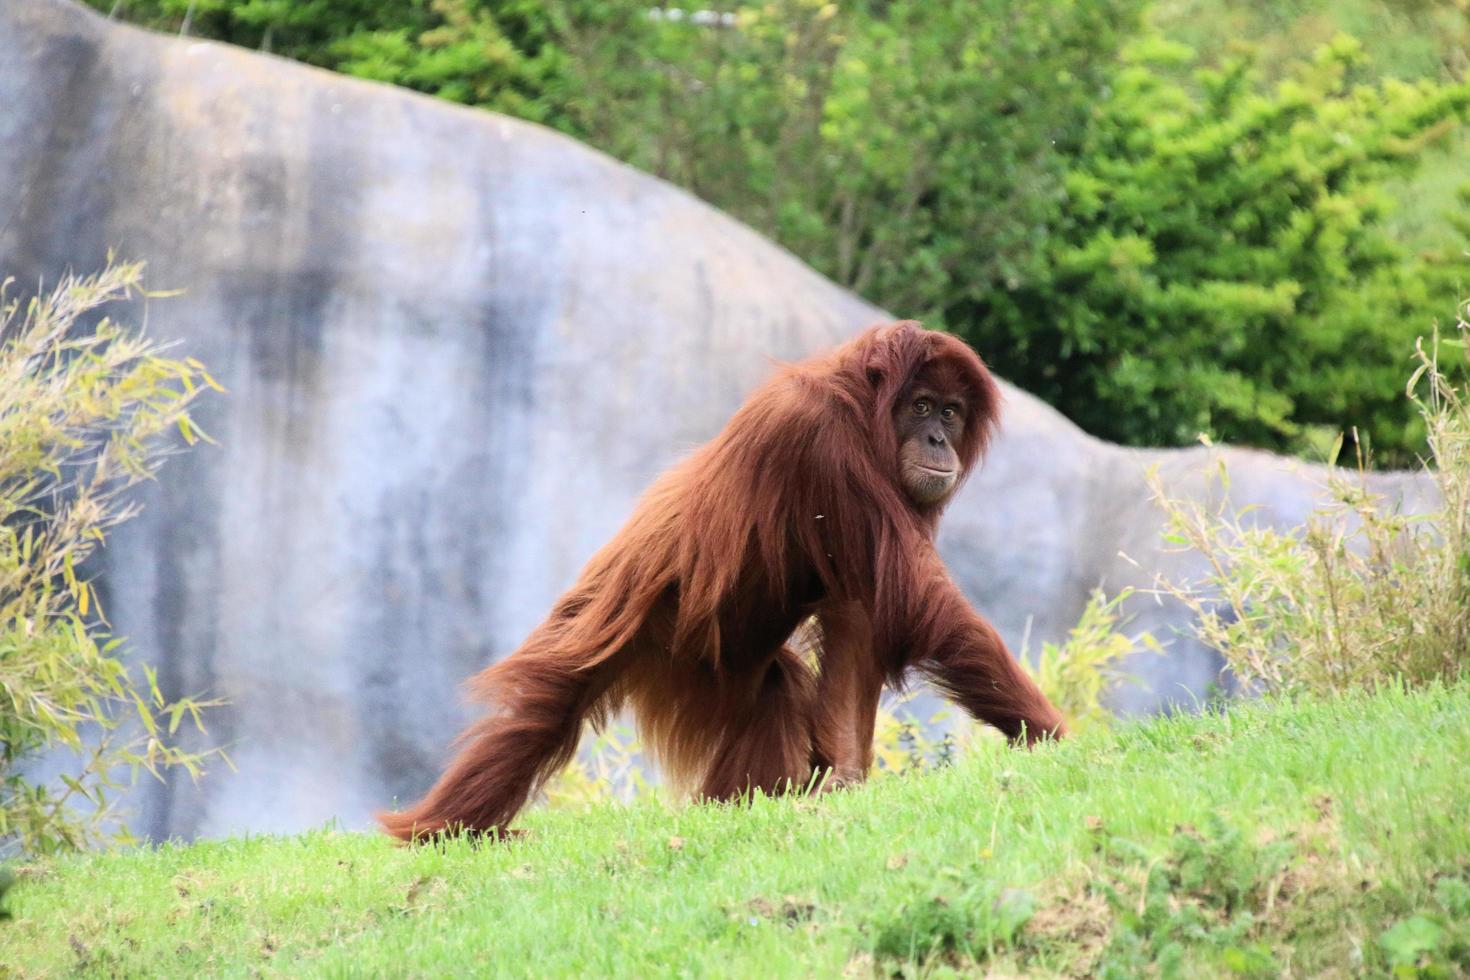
column 1163, row 218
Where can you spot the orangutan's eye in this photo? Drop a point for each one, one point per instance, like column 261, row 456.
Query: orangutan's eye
column 947, row 414
column 921, row 407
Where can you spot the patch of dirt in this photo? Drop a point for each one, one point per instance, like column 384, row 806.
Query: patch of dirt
column 791, row 909
column 426, row 892
column 1315, row 871
column 1078, row 921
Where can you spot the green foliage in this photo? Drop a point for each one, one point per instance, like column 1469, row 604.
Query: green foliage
column 607, row 768
column 1209, row 889
column 906, row 149
column 496, row 55
column 85, row 412
column 1408, row 38
column 1221, row 262
column 973, row 923
column 501, row 56
column 1436, row 941
column 1362, row 593
column 1075, row 674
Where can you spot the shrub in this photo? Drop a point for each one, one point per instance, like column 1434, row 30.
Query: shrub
column 609, row 767
column 909, row 150
column 1363, row 593
column 84, row 412
column 1075, row 675
column 1223, row 263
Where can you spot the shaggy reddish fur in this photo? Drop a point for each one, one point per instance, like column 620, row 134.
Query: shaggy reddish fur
column 794, row 510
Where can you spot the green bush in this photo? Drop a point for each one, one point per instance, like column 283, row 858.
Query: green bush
column 85, row 410
column 908, row 150
column 1361, row 595
column 502, row 55
column 1075, row 674
column 1221, row 263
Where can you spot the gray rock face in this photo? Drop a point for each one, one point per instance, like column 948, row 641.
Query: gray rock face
column 457, row 346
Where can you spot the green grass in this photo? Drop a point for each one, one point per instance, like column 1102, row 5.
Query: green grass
column 1297, row 838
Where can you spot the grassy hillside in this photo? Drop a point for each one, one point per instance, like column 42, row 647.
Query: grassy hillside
column 1302, row 838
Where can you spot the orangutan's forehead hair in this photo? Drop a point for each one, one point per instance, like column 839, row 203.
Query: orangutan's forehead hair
column 946, row 377
column 906, row 351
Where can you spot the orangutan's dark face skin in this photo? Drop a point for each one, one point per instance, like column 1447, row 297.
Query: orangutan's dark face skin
column 930, row 422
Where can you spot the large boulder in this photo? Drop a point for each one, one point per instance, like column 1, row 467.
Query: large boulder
column 457, row 346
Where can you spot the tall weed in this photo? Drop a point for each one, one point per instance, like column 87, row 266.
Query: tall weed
column 86, row 411
column 1363, row 591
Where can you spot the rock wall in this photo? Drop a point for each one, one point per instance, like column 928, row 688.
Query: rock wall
column 457, row 346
